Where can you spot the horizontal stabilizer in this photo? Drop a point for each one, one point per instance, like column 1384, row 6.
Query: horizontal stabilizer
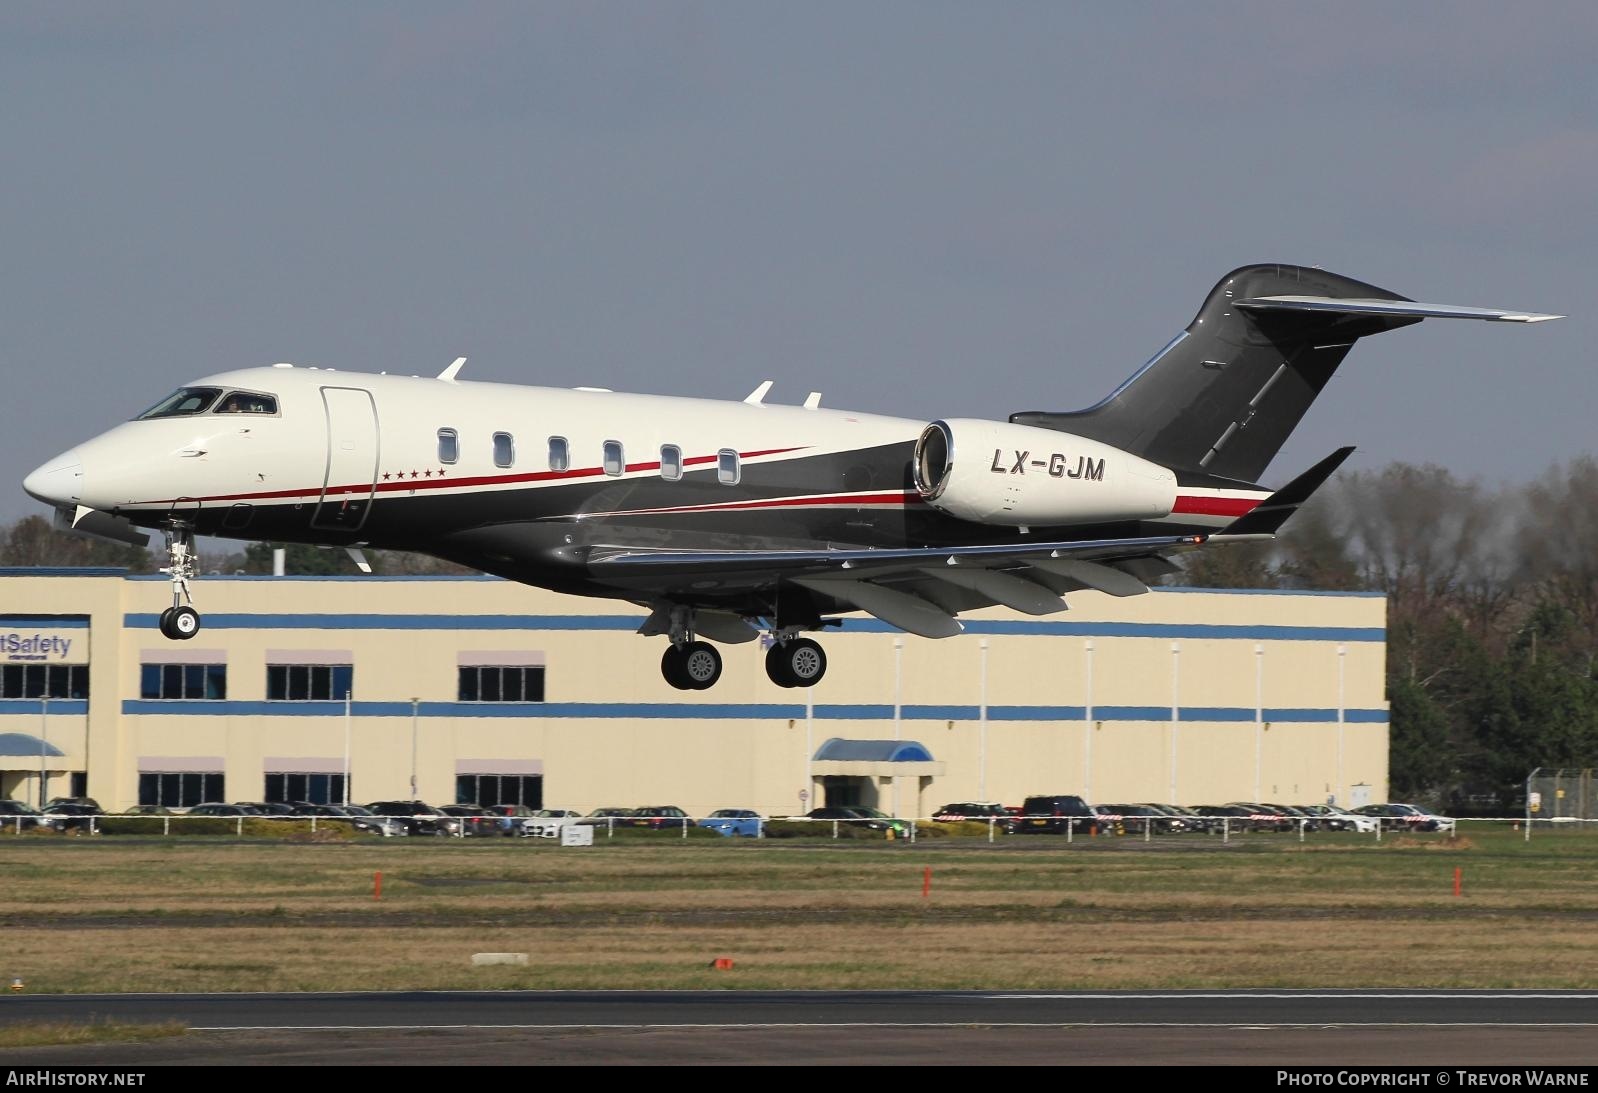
column 1270, row 514
column 1390, row 307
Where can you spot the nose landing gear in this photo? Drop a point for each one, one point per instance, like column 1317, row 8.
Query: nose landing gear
column 180, row 621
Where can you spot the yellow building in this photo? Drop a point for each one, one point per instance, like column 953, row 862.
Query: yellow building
column 470, row 688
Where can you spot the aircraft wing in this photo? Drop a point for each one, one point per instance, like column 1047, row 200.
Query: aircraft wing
column 917, row 589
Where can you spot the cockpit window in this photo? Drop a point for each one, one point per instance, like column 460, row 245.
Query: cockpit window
column 247, row 402
column 185, row 400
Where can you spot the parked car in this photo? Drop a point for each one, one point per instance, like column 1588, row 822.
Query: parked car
column 147, row 810
column 72, row 817
column 512, row 818
column 356, row 816
column 1299, row 817
column 734, row 821
column 1192, row 822
column 16, row 816
column 1053, row 815
column 1403, row 817
column 419, row 817
column 660, row 816
column 476, row 821
column 89, row 801
column 269, row 809
column 1136, row 819
column 547, row 822
column 1332, row 818
column 1231, row 818
column 980, row 811
column 607, row 817
column 218, row 808
column 1266, row 817
column 848, row 815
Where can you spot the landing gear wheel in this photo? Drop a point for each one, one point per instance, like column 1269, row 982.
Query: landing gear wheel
column 671, row 666
column 701, row 664
column 180, row 623
column 798, row 662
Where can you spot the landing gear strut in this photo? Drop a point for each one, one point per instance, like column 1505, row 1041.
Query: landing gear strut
column 180, row 621
column 795, row 662
column 689, row 664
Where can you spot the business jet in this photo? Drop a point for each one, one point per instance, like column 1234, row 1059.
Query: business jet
column 729, row 520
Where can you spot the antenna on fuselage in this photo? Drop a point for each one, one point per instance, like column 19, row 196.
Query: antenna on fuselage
column 448, row 374
column 758, row 395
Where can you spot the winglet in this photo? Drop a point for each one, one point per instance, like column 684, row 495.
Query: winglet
column 448, row 375
column 758, row 396
column 1266, row 518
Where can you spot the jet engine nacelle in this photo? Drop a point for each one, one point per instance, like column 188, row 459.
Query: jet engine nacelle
column 993, row 472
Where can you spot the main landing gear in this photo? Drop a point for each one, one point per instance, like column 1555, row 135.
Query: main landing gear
column 180, row 621
column 690, row 664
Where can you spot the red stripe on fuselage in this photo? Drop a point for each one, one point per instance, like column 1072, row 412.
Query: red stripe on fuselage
column 1214, row 506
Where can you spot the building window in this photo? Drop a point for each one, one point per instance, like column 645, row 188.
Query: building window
column 500, row 789
column 309, row 682
column 727, row 470
column 44, row 681
column 309, row 789
column 504, row 450
column 180, row 790
column 501, row 683
column 560, row 458
column 183, row 681
column 449, row 446
column 614, row 463
column 670, row 462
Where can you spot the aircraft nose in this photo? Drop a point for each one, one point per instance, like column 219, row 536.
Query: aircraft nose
column 58, row 482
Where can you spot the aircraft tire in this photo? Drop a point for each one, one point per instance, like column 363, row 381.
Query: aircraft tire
column 183, row 623
column 671, row 666
column 798, row 662
column 165, row 625
column 776, row 667
column 701, row 665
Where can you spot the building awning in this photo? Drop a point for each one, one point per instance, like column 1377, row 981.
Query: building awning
column 875, row 759
column 25, row 743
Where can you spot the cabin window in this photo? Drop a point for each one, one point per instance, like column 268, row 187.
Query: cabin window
column 614, row 463
column 727, row 470
column 670, row 462
column 559, row 454
column 504, row 450
column 449, row 446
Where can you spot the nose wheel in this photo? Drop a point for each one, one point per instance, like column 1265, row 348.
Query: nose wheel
column 797, row 662
column 180, row 621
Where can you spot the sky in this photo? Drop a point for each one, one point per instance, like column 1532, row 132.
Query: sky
column 922, row 209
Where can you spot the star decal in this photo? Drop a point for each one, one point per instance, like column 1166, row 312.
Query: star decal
column 386, row 476
column 414, row 474
column 427, row 474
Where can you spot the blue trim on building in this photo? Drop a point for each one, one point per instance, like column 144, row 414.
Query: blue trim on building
column 629, row 623
column 65, row 571
column 52, row 622
column 709, row 711
column 67, row 707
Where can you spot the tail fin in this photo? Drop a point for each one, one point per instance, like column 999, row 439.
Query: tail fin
column 1265, row 519
column 1226, row 393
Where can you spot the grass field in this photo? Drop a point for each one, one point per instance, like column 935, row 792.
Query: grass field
column 119, row 914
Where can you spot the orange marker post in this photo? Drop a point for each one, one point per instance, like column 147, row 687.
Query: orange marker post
column 926, row 882
column 377, row 885
column 1458, row 877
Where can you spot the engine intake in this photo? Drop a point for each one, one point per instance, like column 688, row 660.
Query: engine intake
column 993, row 472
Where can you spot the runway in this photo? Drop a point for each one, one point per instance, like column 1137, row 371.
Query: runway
column 1255, row 1027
